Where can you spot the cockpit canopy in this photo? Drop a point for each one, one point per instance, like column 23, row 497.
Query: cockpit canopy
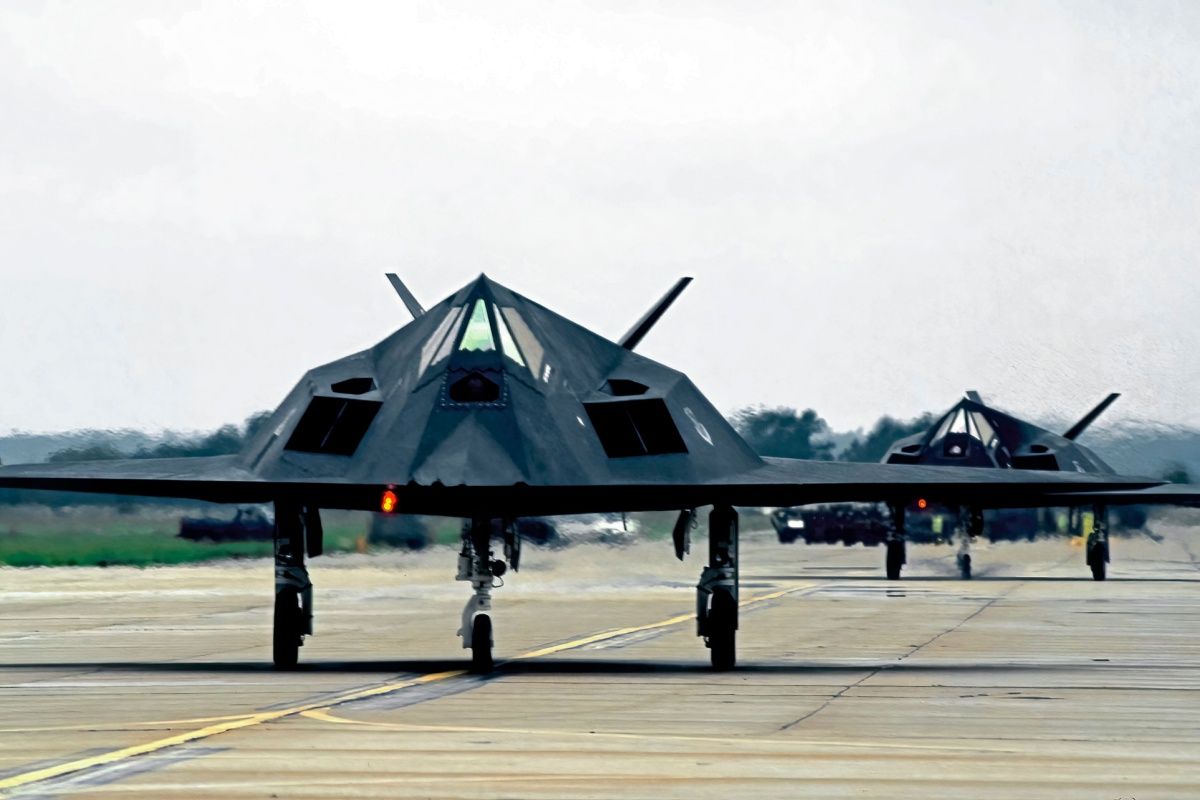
column 963, row 433
column 482, row 327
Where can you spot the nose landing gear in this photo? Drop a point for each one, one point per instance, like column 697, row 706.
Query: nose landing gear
column 476, row 566
column 970, row 527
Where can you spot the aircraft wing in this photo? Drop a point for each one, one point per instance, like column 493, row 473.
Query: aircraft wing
column 1170, row 494
column 798, row 482
column 219, row 479
column 778, row 482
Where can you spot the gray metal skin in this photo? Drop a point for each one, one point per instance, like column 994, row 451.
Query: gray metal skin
column 438, row 424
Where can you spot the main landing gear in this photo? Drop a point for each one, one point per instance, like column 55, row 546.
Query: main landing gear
column 897, row 550
column 717, row 592
column 297, row 531
column 477, row 566
column 1097, row 544
column 970, row 527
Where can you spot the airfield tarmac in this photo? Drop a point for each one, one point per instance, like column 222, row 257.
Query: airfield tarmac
column 1029, row 681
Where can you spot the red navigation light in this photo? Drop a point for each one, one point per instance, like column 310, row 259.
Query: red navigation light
column 388, row 502
column 922, row 504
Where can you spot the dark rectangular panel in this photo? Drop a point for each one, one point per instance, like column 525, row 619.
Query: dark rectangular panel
column 635, row 428
column 1046, row 462
column 333, row 425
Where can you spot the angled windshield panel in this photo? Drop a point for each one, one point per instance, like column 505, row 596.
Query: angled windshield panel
column 531, row 349
column 986, row 434
column 478, row 334
column 441, row 334
column 507, row 344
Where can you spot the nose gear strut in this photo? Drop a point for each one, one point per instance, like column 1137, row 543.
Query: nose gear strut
column 476, row 566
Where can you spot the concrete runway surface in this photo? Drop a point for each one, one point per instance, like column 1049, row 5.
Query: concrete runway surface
column 1030, row 681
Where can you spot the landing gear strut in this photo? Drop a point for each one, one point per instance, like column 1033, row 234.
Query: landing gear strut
column 717, row 592
column 1097, row 544
column 897, row 551
column 970, row 527
column 476, row 565
column 297, row 529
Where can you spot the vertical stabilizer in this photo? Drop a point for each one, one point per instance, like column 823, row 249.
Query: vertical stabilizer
column 1090, row 417
column 635, row 335
column 410, row 301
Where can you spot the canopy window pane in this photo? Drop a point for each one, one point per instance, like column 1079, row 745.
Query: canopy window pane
column 507, row 344
column 478, row 335
column 531, row 348
column 441, row 334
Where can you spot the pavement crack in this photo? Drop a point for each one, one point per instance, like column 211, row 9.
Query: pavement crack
column 915, row 649
column 829, row 702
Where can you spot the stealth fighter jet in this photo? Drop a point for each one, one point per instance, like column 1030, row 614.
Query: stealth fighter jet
column 490, row 407
column 973, row 434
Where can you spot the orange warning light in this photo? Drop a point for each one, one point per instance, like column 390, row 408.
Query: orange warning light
column 388, row 502
column 922, row 504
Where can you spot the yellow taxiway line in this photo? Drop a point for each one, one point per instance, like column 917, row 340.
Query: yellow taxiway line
column 252, row 720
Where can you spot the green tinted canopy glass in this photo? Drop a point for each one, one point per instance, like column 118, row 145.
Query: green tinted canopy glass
column 478, row 335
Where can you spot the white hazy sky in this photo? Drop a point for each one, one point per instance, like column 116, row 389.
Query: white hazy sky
column 883, row 203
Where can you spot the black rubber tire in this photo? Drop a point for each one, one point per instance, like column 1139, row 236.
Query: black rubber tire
column 895, row 560
column 722, row 631
column 285, row 636
column 964, row 567
column 481, row 645
column 1098, row 561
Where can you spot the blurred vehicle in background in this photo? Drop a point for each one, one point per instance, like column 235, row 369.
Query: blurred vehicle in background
column 610, row 529
column 868, row 523
column 404, row 531
column 410, row 532
column 249, row 524
column 540, row 531
column 832, row 523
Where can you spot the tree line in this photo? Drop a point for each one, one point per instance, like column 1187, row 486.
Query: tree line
column 783, row 432
column 779, row 431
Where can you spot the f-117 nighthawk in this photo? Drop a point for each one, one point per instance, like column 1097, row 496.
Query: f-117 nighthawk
column 973, row 434
column 490, row 407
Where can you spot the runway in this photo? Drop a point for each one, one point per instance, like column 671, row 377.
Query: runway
column 1029, row 681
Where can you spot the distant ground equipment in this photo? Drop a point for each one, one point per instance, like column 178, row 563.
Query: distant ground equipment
column 249, row 524
column 399, row 530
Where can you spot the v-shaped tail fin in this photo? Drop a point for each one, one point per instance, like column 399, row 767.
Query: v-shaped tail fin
column 1090, row 417
column 638, row 332
column 410, row 301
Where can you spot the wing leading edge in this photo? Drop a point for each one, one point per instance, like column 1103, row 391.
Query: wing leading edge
column 778, row 482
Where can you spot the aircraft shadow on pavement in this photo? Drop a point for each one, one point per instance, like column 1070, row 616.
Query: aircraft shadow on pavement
column 977, row 578
column 402, row 669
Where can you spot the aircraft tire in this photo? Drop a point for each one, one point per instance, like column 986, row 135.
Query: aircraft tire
column 895, row 560
column 285, row 636
column 964, row 567
column 722, row 631
column 481, row 645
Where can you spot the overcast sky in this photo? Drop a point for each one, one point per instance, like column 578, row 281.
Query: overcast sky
column 883, row 204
